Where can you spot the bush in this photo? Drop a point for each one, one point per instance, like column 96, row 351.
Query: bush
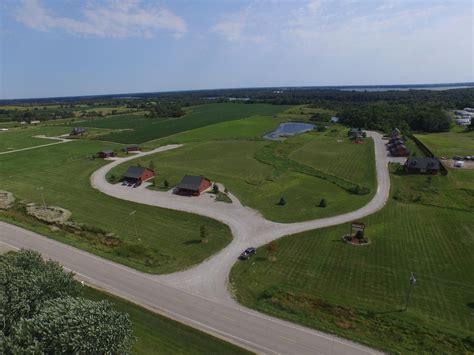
column 282, row 201
column 323, row 203
column 166, row 184
column 215, row 189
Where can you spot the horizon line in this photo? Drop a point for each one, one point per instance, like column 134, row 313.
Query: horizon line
column 132, row 94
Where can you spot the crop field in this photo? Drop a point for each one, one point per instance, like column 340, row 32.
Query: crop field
column 141, row 129
column 18, row 138
column 165, row 241
column 259, row 172
column 448, row 144
column 359, row 292
column 157, row 334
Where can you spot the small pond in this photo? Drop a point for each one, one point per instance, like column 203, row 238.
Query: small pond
column 289, row 129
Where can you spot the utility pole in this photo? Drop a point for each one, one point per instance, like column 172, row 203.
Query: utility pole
column 42, row 197
column 134, row 223
column 410, row 290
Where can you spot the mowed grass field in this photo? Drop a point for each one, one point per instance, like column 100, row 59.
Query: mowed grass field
column 234, row 153
column 359, row 292
column 156, row 334
column 458, row 141
column 140, row 129
column 17, row 138
column 167, row 240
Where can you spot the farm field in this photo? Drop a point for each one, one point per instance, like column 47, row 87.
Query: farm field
column 259, row 172
column 359, row 292
column 165, row 240
column 17, row 138
column 144, row 129
column 157, row 334
column 448, row 144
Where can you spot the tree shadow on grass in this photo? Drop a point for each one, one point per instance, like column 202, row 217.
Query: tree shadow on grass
column 260, row 258
column 192, row 241
column 470, row 305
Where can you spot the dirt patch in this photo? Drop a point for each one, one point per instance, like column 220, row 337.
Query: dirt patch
column 350, row 239
column 50, row 214
column 7, row 200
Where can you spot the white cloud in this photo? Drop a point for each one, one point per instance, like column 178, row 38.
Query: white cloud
column 117, row 18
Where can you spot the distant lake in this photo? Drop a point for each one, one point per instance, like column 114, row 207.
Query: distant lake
column 405, row 88
column 288, row 129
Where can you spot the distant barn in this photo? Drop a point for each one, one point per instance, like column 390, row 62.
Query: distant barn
column 77, row 131
column 138, row 174
column 192, row 185
column 132, row 148
column 106, row 154
column 422, row 165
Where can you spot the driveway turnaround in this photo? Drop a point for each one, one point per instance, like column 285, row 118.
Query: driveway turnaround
column 199, row 296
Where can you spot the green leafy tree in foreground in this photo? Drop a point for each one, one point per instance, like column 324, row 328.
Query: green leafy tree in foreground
column 72, row 325
column 26, row 282
column 40, row 312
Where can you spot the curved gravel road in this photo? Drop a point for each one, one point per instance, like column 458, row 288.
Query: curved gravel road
column 199, row 296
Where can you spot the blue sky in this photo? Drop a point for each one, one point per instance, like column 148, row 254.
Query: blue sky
column 72, row 47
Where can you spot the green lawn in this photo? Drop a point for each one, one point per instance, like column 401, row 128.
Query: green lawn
column 17, row 138
column 358, row 292
column 140, row 129
column 167, row 240
column 448, row 144
column 156, row 334
column 259, row 172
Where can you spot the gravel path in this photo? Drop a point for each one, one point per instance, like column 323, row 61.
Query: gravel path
column 199, row 296
column 249, row 227
column 59, row 139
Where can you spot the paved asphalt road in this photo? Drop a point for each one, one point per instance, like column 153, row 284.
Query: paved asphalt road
column 199, row 296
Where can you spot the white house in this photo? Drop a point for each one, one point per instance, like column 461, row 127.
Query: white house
column 334, row 119
column 463, row 121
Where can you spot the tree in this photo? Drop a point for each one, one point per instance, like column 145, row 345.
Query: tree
column 471, row 126
column 215, row 189
column 323, row 203
column 282, row 201
column 166, row 184
column 72, row 325
column 151, row 165
column 27, row 282
column 203, row 233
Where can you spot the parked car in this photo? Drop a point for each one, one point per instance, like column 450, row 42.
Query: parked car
column 459, row 164
column 138, row 183
column 130, row 183
column 247, row 253
column 468, row 157
column 457, row 157
column 124, row 183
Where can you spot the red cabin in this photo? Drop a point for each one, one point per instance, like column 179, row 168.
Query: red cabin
column 138, row 174
column 192, row 185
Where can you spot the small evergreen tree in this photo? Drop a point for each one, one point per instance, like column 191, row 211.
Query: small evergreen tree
column 203, row 233
column 282, row 201
column 215, row 189
column 323, row 203
column 166, row 184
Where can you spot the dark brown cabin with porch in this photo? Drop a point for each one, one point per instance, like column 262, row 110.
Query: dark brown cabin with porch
column 424, row 165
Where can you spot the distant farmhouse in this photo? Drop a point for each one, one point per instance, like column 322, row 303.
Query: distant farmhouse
column 334, row 119
column 423, row 165
column 192, row 185
column 396, row 145
column 132, row 148
column 106, row 154
column 356, row 133
column 137, row 175
column 35, row 122
column 78, row 131
column 464, row 117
